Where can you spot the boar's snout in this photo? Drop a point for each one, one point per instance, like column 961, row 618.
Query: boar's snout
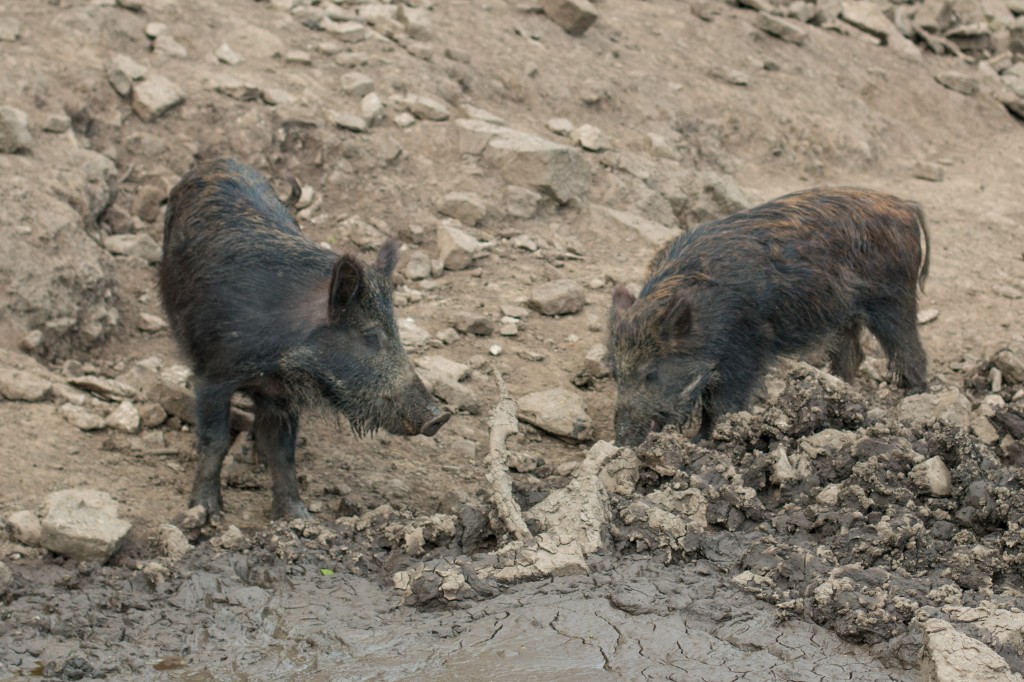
column 439, row 419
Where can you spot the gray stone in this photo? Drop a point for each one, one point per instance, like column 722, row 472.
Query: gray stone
column 226, row 55
column 347, row 121
column 122, row 72
column 166, row 44
column 652, row 232
column 124, row 418
column 236, row 88
column 589, row 137
column 781, row 28
column 411, row 333
column 560, row 126
column 154, row 97
column 595, row 364
column 371, row 107
column 455, row 248
column 560, row 297
column 964, row 83
column 951, row 656
column 574, row 16
column 172, row 542
column 1007, row 291
column 417, row 22
column 147, row 202
column 14, row 133
column 356, row 84
column 298, row 57
column 926, row 170
column 444, row 378
column 932, row 476
column 868, row 17
column 728, row 75
column 418, row 266
column 57, row 123
column 466, row 207
column 141, row 245
column 557, row 411
column 22, row 386
column 82, row 525
column 10, row 29
column 155, row 29
column 1010, row 362
column 522, row 202
column 476, row 324
column 404, row 119
column 425, row 107
column 983, row 429
column 81, row 418
column 25, row 527
column 934, row 16
column 345, row 31
column 552, row 168
column 950, row 407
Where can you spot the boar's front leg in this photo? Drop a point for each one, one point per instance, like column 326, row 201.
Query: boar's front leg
column 213, row 438
column 275, row 433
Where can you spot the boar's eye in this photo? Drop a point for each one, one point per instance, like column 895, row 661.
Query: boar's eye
column 652, row 376
column 372, row 337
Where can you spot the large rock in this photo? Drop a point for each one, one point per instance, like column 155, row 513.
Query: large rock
column 557, row 411
column 154, row 97
column 82, row 524
column 24, row 527
column 556, row 169
column 23, row 386
column 951, row 656
column 561, row 297
column 950, row 407
column 444, row 378
column 574, row 16
column 455, row 248
column 14, row 133
column 466, row 207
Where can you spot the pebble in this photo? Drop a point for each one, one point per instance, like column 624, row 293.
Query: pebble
column 155, row 29
column 495, row 350
column 560, row 126
column 122, row 72
column 478, row 325
column 226, row 55
column 82, row 524
column 574, row 16
column 532, row 161
column 727, row 75
column 404, row 119
column 425, row 107
column 925, row 170
column 172, row 542
column 356, row 84
column 418, row 266
column 236, row 88
column 557, row 411
column 298, row 57
column 347, row 121
column 1007, row 291
column 522, row 202
column 24, row 527
column 589, row 137
column 154, row 97
column 927, row 315
column 466, row 207
column 456, row 248
column 141, row 245
column 964, row 83
column 22, row 386
column 412, row 334
column 57, row 123
column 948, row 407
column 595, row 363
column 166, row 44
column 932, row 475
column 124, row 418
column 345, row 31
column 781, row 28
column 81, row 418
column 14, row 134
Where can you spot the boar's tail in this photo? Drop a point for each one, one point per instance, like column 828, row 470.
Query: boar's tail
column 926, row 259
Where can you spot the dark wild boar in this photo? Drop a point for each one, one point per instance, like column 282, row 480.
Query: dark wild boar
column 724, row 300
column 259, row 308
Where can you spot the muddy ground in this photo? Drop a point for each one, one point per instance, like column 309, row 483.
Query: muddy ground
column 816, row 537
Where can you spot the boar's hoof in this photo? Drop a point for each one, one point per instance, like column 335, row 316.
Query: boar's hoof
column 289, row 509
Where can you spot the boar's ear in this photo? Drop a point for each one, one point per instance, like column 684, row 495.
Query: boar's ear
column 678, row 320
column 346, row 283
column 387, row 257
column 621, row 301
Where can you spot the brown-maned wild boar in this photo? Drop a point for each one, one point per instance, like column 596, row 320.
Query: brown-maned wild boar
column 259, row 308
column 722, row 301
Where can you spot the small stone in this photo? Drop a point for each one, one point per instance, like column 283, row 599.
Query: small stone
column 927, row 315
column 226, row 55
column 595, row 363
column 561, row 297
column 495, row 350
column 417, row 22
column 235, row 88
column 122, row 72
column 829, row 495
column 557, row 411
column 14, row 133
column 345, row 31
column 82, row 525
column 660, row 146
column 574, row 16
column 456, row 248
column 932, row 475
column 983, row 429
column 371, row 107
column 404, row 119
column 6, row 577
column 932, row 172
column 411, row 333
column 57, row 123
column 478, row 325
column 560, row 126
column 24, row 527
column 147, row 203
column 155, row 29
column 951, row 656
column 781, row 28
column 522, row 202
column 298, row 57
column 356, row 84
column 516, row 311
column 426, row 107
column 141, row 245
column 964, row 83
column 418, row 266
column 154, row 97
column 509, row 326
column 347, row 121
column 589, row 137
column 525, row 242
column 276, row 96
column 949, row 407
column 466, row 207
column 1007, row 291
column 81, row 418
column 531, row 161
column 172, row 542
column 232, row 539
column 444, row 378
column 727, row 75
column 22, row 386
column 166, row 44
column 124, row 418
column 10, row 29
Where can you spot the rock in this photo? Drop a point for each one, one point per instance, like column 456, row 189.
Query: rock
column 347, row 121
column 172, row 542
column 1010, row 361
column 1007, row 291
column 154, row 97
column 166, row 44
column 927, row 315
column 595, row 364
column 932, row 476
column 574, row 16
column 141, row 245
column 522, row 202
column 226, row 55
column 964, row 83
column 654, row 233
column 951, row 656
column 404, row 119
column 557, row 411
column 82, row 524
column 147, row 202
column 236, row 88
column 57, row 123
column 232, row 539
column 412, row 334
column 527, row 160
column 866, row 16
column 10, row 29
column 16, row 384
column 81, row 418
column 151, row 323
column 14, row 133
column 560, row 297
column 6, row 577
column 444, row 377
column 466, row 207
column 478, row 325
column 455, row 248
column 589, row 137
column 124, row 418
column 122, row 72
column 727, row 75
column 24, row 527
column 934, row 16
column 418, row 267
column 781, row 28
column 371, row 107
column 983, row 429
column 560, row 126
column 925, row 170
column 950, row 407
column 425, row 107
column 356, row 84
column 345, row 31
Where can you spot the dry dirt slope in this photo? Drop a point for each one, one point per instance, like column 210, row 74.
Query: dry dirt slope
column 835, row 109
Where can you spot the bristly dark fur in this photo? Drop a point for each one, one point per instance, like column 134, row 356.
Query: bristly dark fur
column 258, row 307
column 725, row 299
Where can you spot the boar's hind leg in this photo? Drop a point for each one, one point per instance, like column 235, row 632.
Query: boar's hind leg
column 275, row 433
column 847, row 355
column 213, row 438
column 895, row 326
